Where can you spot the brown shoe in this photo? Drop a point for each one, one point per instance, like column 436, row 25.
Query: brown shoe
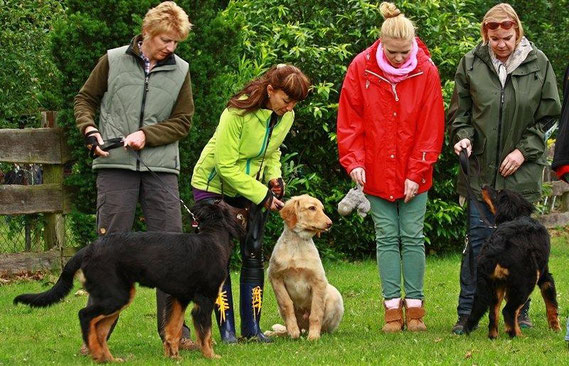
column 393, row 319
column 414, row 319
column 188, row 344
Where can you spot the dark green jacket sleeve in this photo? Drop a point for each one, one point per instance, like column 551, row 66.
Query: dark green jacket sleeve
column 460, row 108
column 532, row 143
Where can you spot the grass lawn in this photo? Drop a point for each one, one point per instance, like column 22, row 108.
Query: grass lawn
column 52, row 336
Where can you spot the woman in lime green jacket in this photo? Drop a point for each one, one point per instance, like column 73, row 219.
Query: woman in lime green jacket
column 241, row 163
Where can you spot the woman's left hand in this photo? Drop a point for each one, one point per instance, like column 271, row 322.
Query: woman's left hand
column 411, row 189
column 511, row 163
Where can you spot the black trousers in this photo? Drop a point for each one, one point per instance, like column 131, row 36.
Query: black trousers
column 119, row 191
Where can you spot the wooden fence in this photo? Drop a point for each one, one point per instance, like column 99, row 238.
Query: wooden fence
column 44, row 146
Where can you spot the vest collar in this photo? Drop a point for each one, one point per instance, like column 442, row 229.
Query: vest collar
column 134, row 50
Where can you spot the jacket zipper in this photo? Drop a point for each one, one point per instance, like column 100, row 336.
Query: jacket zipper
column 502, row 94
column 393, row 85
column 141, row 120
column 263, row 147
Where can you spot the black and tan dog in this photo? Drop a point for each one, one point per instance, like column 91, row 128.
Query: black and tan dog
column 190, row 267
column 512, row 261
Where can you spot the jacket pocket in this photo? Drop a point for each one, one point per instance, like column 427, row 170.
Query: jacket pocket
column 526, row 180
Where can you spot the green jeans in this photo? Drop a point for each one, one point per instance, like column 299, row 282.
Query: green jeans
column 400, row 245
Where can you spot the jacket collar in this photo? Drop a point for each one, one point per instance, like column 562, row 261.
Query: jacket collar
column 481, row 51
column 134, row 50
column 422, row 56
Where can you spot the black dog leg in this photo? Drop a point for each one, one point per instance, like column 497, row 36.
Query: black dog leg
column 201, row 315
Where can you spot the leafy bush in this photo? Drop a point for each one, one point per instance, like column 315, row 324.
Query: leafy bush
column 84, row 36
column 322, row 38
column 29, row 80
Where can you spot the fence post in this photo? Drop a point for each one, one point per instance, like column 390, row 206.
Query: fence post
column 54, row 233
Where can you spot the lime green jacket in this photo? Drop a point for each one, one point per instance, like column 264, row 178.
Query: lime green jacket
column 234, row 154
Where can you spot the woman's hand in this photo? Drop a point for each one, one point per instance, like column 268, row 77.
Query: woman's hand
column 463, row 144
column 511, row 163
column 136, row 140
column 274, row 204
column 100, row 141
column 358, row 175
column 277, row 186
column 411, row 189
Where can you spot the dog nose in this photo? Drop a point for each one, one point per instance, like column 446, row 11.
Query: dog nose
column 329, row 224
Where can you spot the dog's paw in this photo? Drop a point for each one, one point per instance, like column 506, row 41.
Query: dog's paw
column 313, row 336
column 294, row 333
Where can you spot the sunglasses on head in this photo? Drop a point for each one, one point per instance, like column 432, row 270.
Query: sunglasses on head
column 506, row 24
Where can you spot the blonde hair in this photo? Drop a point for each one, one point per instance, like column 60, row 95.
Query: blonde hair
column 498, row 13
column 167, row 17
column 395, row 25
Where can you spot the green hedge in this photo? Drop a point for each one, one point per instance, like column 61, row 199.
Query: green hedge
column 235, row 41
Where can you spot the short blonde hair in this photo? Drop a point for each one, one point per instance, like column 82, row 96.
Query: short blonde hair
column 395, row 25
column 165, row 18
column 498, row 13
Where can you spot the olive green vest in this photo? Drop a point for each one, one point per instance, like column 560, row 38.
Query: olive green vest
column 127, row 106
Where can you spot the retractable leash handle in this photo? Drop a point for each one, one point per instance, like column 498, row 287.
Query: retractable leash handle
column 112, row 144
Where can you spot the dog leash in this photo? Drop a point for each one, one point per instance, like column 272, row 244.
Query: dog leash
column 471, row 198
column 118, row 142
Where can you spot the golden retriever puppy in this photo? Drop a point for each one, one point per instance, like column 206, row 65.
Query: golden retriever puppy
column 306, row 300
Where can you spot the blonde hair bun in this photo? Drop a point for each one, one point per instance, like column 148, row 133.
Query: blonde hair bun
column 389, row 10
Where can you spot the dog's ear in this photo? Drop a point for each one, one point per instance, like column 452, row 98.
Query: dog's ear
column 288, row 213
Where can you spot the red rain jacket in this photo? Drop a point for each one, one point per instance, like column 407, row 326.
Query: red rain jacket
column 394, row 131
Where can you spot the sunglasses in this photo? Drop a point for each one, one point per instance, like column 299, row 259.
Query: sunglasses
column 506, row 24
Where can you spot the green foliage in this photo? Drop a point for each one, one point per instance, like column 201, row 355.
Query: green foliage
column 29, row 80
column 232, row 43
column 322, row 38
column 84, row 36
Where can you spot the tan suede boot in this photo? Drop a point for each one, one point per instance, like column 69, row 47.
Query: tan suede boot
column 414, row 319
column 393, row 319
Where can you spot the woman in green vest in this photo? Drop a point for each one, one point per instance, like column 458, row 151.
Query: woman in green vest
column 241, row 164
column 143, row 91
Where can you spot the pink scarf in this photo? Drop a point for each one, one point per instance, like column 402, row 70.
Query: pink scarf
column 393, row 74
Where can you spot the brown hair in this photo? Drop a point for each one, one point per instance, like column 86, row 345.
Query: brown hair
column 283, row 77
column 164, row 18
column 395, row 25
column 499, row 13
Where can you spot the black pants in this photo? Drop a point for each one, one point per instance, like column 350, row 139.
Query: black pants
column 118, row 192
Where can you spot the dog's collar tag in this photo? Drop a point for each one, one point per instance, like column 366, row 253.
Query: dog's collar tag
column 195, row 224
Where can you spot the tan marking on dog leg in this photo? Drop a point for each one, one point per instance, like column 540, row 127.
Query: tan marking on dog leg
column 204, row 339
column 488, row 200
column 551, row 309
column 500, row 273
column 95, row 347
column 517, row 329
column 493, row 331
column 172, row 331
column 103, row 327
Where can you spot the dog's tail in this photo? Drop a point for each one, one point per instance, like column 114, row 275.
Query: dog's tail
column 61, row 288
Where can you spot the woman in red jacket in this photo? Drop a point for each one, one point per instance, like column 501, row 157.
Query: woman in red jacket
column 390, row 133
